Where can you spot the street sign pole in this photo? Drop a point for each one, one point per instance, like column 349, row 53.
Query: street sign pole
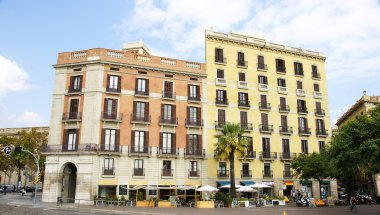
column 38, row 171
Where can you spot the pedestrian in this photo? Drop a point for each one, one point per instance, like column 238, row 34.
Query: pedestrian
column 5, row 189
column 352, row 202
column 23, row 192
column 294, row 195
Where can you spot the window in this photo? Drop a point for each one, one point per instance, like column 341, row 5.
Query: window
column 110, row 108
column 263, row 79
column 284, row 123
column 321, row 145
column 302, row 123
column 141, row 111
column 263, row 102
column 241, row 76
column 266, row 147
column 167, row 168
column 168, row 89
column 194, row 146
column 109, row 139
column 299, row 85
column 320, row 123
column 108, row 166
column 304, row 147
column 219, row 55
column 243, row 98
column 281, row 82
column 167, row 140
column 167, row 112
column 244, row 119
column 70, row 139
column 193, row 168
column 142, row 86
column 138, row 167
column 250, row 147
column 114, row 82
column 285, row 146
column 301, row 105
column 222, row 168
column 314, row 70
column 280, row 65
column 283, row 103
column 221, row 117
column 287, row 171
column 139, row 141
column 298, row 69
column 245, row 170
column 221, row 97
column 264, row 122
column 76, row 84
column 241, row 60
column 193, row 114
column 267, row 170
column 220, row 73
column 193, row 92
column 316, row 87
column 74, row 106
column 260, row 62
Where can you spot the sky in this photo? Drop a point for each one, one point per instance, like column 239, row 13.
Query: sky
column 32, row 33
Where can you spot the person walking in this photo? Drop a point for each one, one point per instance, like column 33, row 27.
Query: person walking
column 353, row 203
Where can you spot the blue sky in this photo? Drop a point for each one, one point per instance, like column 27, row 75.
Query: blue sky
column 34, row 32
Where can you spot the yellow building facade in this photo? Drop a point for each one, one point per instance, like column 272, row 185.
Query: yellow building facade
column 279, row 95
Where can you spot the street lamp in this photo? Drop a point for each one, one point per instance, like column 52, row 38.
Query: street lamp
column 19, row 149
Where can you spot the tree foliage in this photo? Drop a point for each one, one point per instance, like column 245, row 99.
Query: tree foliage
column 315, row 165
column 231, row 142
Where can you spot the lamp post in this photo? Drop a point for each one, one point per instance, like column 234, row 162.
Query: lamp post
column 19, row 149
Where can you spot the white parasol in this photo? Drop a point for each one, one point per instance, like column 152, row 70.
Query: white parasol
column 228, row 186
column 245, row 189
column 207, row 188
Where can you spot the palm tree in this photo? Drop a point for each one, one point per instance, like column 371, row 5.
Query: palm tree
column 231, row 141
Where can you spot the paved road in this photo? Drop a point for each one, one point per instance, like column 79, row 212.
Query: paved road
column 15, row 204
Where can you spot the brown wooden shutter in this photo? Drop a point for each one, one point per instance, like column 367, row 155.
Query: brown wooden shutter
column 134, row 108
column 217, row 54
column 243, row 117
column 295, row 68
column 306, row 124
column 277, row 63
column 103, row 140
column 198, row 91
column 282, row 102
column 200, row 143
column 162, row 111
column 74, row 105
column 71, row 83
column 136, row 84
column 260, row 60
column 132, row 138
column 187, row 140
column 146, row 139
column 161, row 140
column 146, row 114
column 264, row 119
column 119, row 84
column 108, row 81
column 221, row 116
column 65, row 139
column 199, row 118
column 147, row 85
column 188, row 114
column 284, row 121
column 105, row 109
column 263, row 99
column 77, row 138
column 174, row 111
column 114, row 106
column 174, row 140
column 117, row 140
column 318, row 105
column 80, row 81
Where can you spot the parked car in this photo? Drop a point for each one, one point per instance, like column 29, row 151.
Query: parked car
column 9, row 187
column 342, row 195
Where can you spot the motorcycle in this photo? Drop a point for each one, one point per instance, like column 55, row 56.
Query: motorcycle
column 302, row 202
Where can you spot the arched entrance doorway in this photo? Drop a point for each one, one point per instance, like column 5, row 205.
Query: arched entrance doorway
column 69, row 182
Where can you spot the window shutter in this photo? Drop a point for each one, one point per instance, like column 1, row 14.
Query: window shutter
column 162, row 111
column 200, row 143
column 147, row 85
column 306, row 124
column 295, row 68
column 132, row 138
column 198, row 92
column 119, row 84
column 117, row 140
column 217, row 54
column 188, row 114
column 105, row 110
column 108, row 81
column 277, row 63
column 284, row 121
column 318, row 105
column 188, row 90
column 102, row 144
column 114, row 106
column 264, row 119
column 136, row 84
column 71, row 82
column 146, row 139
column 199, row 115
column 263, row 99
column 174, row 113
column 174, row 140
column 161, row 140
column 134, row 108
column 77, row 139
column 146, row 111
column 282, row 102
column 187, row 141
column 65, row 139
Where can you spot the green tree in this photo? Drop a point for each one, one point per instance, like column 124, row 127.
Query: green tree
column 312, row 166
column 231, row 142
column 355, row 150
column 6, row 161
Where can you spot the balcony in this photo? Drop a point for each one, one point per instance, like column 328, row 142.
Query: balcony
column 302, row 110
column 141, row 93
column 219, row 125
column 264, row 106
column 319, row 112
column 282, row 90
column 195, row 153
column 286, row 130
column 72, row 117
column 317, row 95
column 246, row 173
column 283, row 109
column 242, row 64
column 109, row 149
column 244, row 104
column 140, row 151
column 281, row 70
column 262, row 66
column 196, row 99
column 113, row 90
column 268, row 155
column 250, row 155
column 299, row 73
column 223, row 173
column 221, row 102
column 194, row 174
column 322, row 132
column 288, row 174
column 139, row 172
column 145, row 119
column 286, row 156
column 167, row 173
column 220, row 82
column 304, row 131
column 73, row 90
column 316, row 75
column 263, row 87
column 242, row 85
column 113, row 117
column 194, row 123
column 109, row 172
column 300, row 92
column 82, row 148
column 266, row 128
column 219, row 60
column 168, row 95
column 167, row 152
column 268, row 174
column 169, row 121
column 246, row 126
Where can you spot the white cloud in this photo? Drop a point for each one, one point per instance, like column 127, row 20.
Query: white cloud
column 25, row 119
column 12, row 77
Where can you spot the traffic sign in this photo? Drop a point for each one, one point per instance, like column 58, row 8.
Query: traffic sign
column 7, row 150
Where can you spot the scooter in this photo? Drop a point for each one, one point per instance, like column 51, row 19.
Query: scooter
column 302, row 202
